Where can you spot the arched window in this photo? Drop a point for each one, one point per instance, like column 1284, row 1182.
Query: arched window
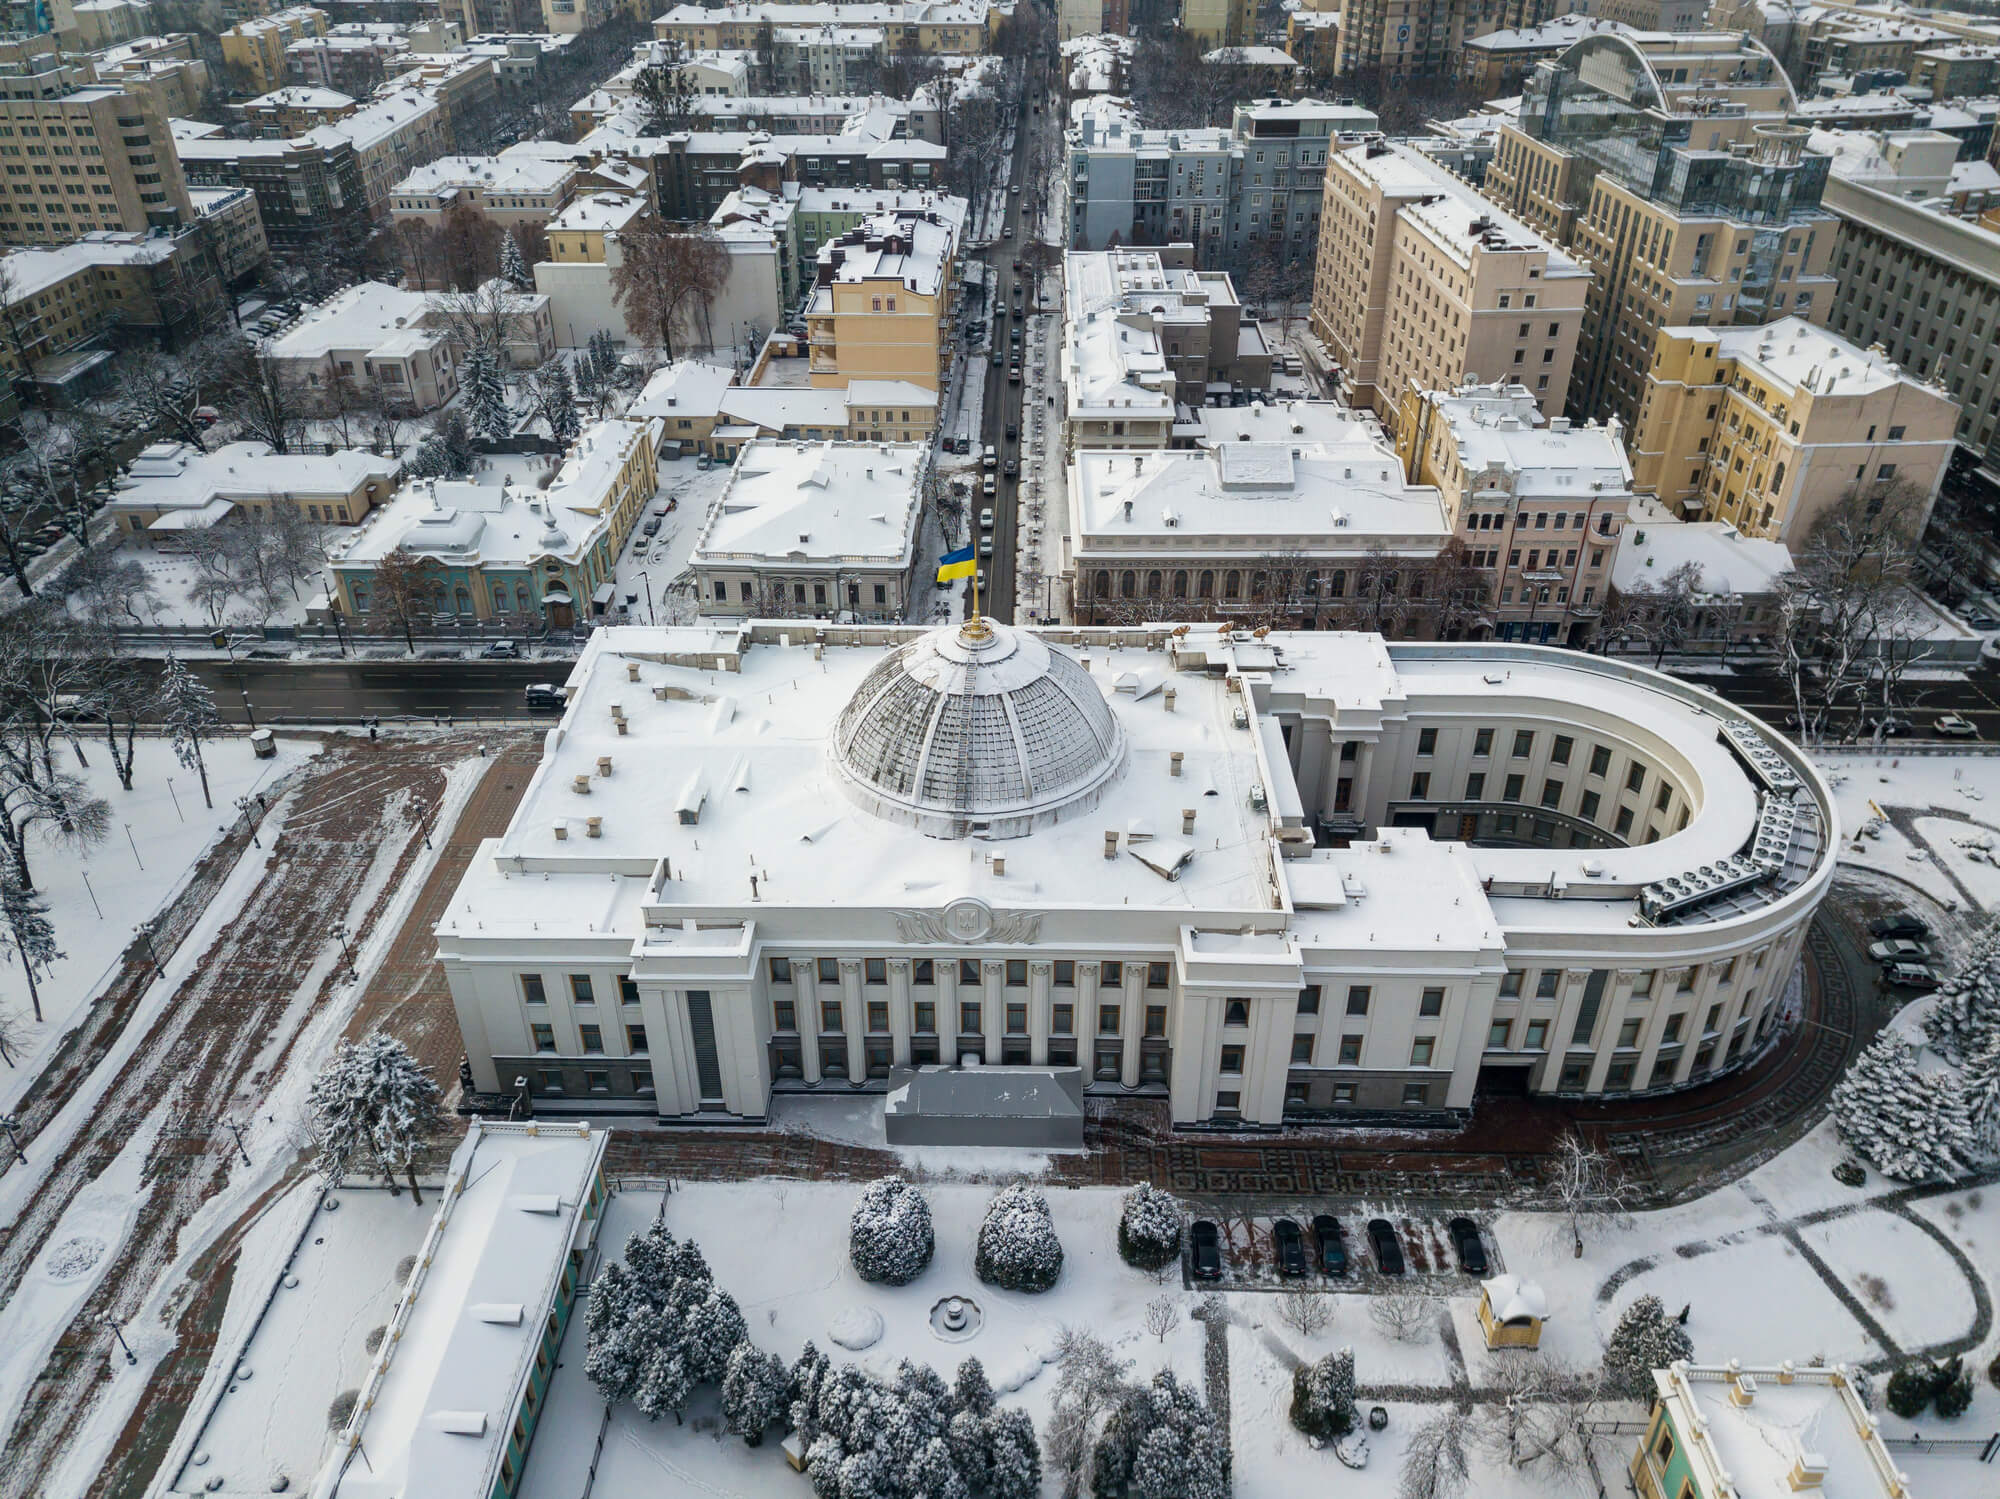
column 499, row 599
column 1153, row 584
column 1232, row 584
column 1205, row 589
column 1103, row 583
column 1180, row 585
column 1128, row 584
column 523, row 599
column 462, row 600
column 1336, row 585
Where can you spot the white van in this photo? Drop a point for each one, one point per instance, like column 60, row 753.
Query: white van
column 989, row 458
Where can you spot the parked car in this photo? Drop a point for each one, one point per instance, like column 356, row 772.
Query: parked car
column 1890, row 727
column 1205, row 1250
column 1904, row 926
column 1465, row 1240
column 986, row 519
column 1382, row 1239
column 1332, row 1244
column 986, row 486
column 540, row 695
column 1953, row 727
column 208, row 416
column 652, row 527
column 1014, row 373
column 1898, row 950
column 1288, row 1246
column 1979, row 619
column 1014, row 335
column 501, row 650
column 1909, row 976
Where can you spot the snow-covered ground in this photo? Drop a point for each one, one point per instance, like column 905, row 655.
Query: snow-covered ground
column 664, row 558
column 159, row 831
column 1869, row 785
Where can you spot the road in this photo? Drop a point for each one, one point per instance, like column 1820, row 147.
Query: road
column 306, row 692
column 1976, row 696
column 1002, row 407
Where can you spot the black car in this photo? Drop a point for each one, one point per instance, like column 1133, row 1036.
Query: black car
column 543, row 695
column 1465, row 1239
column 1011, row 434
column 1205, row 1248
column 1288, row 1245
column 1900, row 928
column 1332, row 1245
column 1388, row 1253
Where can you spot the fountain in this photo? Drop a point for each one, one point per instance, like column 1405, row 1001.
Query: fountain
column 956, row 1318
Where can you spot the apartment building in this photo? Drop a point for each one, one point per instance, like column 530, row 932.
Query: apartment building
column 1220, row 23
column 1680, row 16
column 945, row 27
column 1499, row 62
column 235, row 231
column 1409, row 39
column 1918, row 278
column 1538, row 503
column 1767, row 428
column 172, row 488
column 306, row 189
column 508, row 190
column 80, row 157
column 1842, row 45
column 1077, row 18
column 1422, row 284
column 702, row 408
column 1230, row 193
column 1956, row 70
column 881, row 301
column 295, row 109
column 353, row 64
column 164, row 67
column 256, row 48
column 1666, row 164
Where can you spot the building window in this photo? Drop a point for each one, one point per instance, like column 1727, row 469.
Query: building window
column 592, row 1038
column 1511, row 791
column 1538, row 1035
column 1228, row 1102
column 1587, row 807
column 580, row 990
column 628, row 990
column 1062, row 1019
column 1546, row 981
column 1112, row 975
column 829, row 1015
column 1357, row 999
column 1350, row 1051
column 968, row 1018
column 1309, row 1000
column 1552, row 793
column 1302, row 1051
column 1156, row 1021
column 926, row 1017
column 1017, row 1020
column 783, row 1016
column 1510, row 984
column 1416, row 1095
column 1623, row 825
column 1524, row 743
column 923, row 971
column 1156, row 975
column 1420, row 1051
column 1475, row 786
column 1065, row 973
column 1236, row 1012
column 1496, row 1035
column 532, row 990
column 544, row 1037
column 551, row 1079
column 1420, row 785
column 1432, row 1004
column 1559, row 752
column 968, row 972
column 1017, row 973
column 1482, row 743
column 1427, row 741
column 1232, row 1059
column 635, row 1040
column 878, row 1015
column 1107, row 1020
column 1600, row 760
column 829, row 971
column 875, row 970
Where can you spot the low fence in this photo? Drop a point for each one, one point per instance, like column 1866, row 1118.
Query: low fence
column 1985, row 1449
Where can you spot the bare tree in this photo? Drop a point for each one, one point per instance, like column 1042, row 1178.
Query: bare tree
column 467, row 247
column 1305, row 1311
column 216, row 558
column 1088, row 1383
column 665, row 278
column 1586, row 1189
column 417, row 248
column 267, row 401
column 402, row 592
column 13, row 1036
column 1163, row 1315
column 1543, row 1418
column 1661, row 615
column 490, row 316
column 1402, row 1317
column 1454, row 593
column 1438, row 1461
column 169, row 389
column 108, row 589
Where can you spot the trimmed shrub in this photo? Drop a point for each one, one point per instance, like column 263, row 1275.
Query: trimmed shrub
column 1018, row 1247
column 889, row 1237
column 1149, row 1230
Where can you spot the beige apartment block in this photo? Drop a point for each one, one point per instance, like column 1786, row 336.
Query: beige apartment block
column 1767, row 428
column 506, row 189
column 82, row 159
column 1220, row 23
column 881, row 300
column 1423, row 284
column 257, row 46
column 296, row 109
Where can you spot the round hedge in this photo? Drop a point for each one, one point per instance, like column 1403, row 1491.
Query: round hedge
column 1149, row 1230
column 1018, row 1247
column 889, row 1237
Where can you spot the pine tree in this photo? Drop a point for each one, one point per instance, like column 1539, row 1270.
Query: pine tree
column 1979, row 1084
column 1645, row 1339
column 611, row 1361
column 1149, row 1228
column 486, row 394
column 1912, row 1126
column 1018, row 1249
column 1965, row 1012
column 1017, row 1458
column 555, row 399
column 753, row 1392
column 889, row 1235
column 374, row 1102
column 27, row 933
column 711, row 1327
column 188, row 709
column 972, row 1390
column 1323, row 1396
column 513, row 266
column 971, row 1439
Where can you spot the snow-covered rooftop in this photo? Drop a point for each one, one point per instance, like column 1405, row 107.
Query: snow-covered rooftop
column 1251, row 57
column 301, row 96
column 1807, row 1414
column 601, row 213
column 1655, row 543
column 34, row 270
column 911, row 246
column 179, row 476
column 897, row 13
column 437, row 1411
column 1792, row 352
column 359, row 317
column 1551, row 35
column 488, row 174
column 691, row 388
column 848, row 501
column 377, row 121
column 1501, row 428
column 1305, row 423
column 1452, row 211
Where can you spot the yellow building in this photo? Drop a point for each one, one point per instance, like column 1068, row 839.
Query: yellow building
column 1422, row 283
column 1220, row 23
column 257, row 46
column 960, row 27
column 1511, row 1312
column 1766, row 428
column 882, row 300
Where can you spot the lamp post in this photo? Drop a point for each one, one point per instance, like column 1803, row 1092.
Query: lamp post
column 145, row 932
column 340, row 935
column 237, row 1130
column 333, row 608
column 649, row 596
column 244, row 805
column 10, row 1123
column 423, row 814
column 118, row 1333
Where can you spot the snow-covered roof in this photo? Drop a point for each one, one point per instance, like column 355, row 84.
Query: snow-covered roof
column 358, row 318
column 1805, row 1414
column 691, row 388
column 32, row 271
column 1340, row 494
column 601, row 213
column 488, row 174
column 437, row 1412
column 1112, row 370
column 816, row 502
column 1513, row 1298
column 378, row 121
column 1501, row 429
column 858, row 13
column 180, row 476
column 1251, row 57
column 1452, row 212
column 914, row 247
column 301, row 96
column 1792, row 352
column 1731, row 564
column 1302, row 423
column 1550, row 35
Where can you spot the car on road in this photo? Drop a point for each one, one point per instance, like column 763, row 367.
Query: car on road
column 1465, row 1242
column 1010, row 468
column 1382, row 1239
column 1898, row 950
column 1890, row 726
column 1014, row 191
column 501, row 650
column 1205, row 1250
column 542, row 695
column 1014, row 373
column 652, row 527
column 988, row 456
column 1010, row 432
column 985, row 547
column 1288, row 1247
column 987, row 486
column 1979, row 619
column 1909, row 976
column 1014, row 336
column 1332, row 1244
column 986, row 519
column 1007, row 231
column 1904, row 926
column 1953, row 727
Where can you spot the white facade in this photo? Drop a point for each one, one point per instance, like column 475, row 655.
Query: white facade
column 775, row 856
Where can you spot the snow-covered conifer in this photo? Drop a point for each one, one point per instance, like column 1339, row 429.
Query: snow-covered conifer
column 1016, row 1471
column 188, row 710
column 1018, row 1248
column 513, row 265
column 753, row 1392
column 711, row 1327
column 1323, row 1396
column 611, row 1360
column 1979, row 1084
column 934, row 1475
column 555, row 399
column 889, row 1235
column 1149, row 1229
column 1645, row 1339
column 1965, row 1011
column 486, row 393
column 971, row 1441
column 374, row 1103
column 1910, row 1125
column 664, row 1383
column 972, row 1390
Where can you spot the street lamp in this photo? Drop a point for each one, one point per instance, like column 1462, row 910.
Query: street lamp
column 423, row 813
column 237, row 1130
column 243, row 805
column 340, row 935
column 10, row 1123
column 145, row 931
column 334, row 609
column 649, row 596
column 118, row 1333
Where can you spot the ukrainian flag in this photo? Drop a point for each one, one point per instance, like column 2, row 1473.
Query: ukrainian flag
column 958, row 564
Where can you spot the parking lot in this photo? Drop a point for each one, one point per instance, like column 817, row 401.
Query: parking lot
column 1250, row 1260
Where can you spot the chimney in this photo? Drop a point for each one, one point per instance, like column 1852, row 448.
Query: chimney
column 1743, row 1390
column 1187, row 821
column 562, row 832
column 604, row 765
column 622, row 725
column 631, row 671
column 999, row 865
column 593, row 827
column 1170, row 699
column 581, row 785
column 1175, row 761
column 1110, row 843
column 618, row 711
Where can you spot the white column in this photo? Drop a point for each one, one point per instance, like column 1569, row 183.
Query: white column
column 902, row 1019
